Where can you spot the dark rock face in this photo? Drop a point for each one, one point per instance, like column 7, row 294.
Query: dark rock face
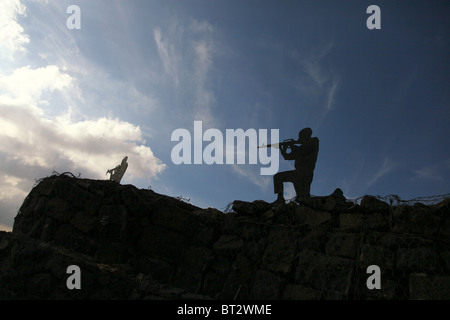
column 137, row 244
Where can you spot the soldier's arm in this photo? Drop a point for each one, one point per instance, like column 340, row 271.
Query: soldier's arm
column 287, row 156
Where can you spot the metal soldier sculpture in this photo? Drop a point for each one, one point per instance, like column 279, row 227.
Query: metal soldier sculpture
column 305, row 157
column 118, row 172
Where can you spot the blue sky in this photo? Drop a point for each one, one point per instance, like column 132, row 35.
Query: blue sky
column 80, row 100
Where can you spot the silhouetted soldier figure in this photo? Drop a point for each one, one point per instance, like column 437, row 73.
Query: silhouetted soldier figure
column 118, row 172
column 305, row 157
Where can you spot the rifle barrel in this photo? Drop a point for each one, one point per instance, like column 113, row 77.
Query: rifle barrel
column 274, row 145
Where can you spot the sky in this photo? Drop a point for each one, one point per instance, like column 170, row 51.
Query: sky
column 80, row 99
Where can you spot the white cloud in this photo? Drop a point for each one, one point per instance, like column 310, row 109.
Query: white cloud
column 33, row 143
column 5, row 227
column 88, row 146
column 28, row 84
column 33, row 146
column 12, row 36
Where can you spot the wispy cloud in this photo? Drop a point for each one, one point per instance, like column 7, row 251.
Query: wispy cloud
column 331, row 94
column 313, row 64
column 187, row 56
column 387, row 166
column 432, row 172
column 205, row 98
column 427, row 173
column 168, row 55
column 318, row 82
column 315, row 71
column 351, row 184
column 252, row 176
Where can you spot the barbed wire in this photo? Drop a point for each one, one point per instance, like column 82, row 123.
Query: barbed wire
column 181, row 198
column 55, row 173
column 391, row 199
column 395, row 200
column 228, row 208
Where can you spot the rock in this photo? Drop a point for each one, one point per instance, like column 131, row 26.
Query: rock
column 215, row 276
column 373, row 204
column 309, row 216
column 390, row 289
column 138, row 244
column 84, row 222
column 369, row 221
column 343, row 244
column 158, row 268
column 254, row 250
column 280, row 251
column 204, row 235
column 394, row 241
column 255, row 208
column 376, row 255
column 180, row 219
column 297, row 292
column 422, row 260
column 418, row 219
column 228, row 245
column 376, row 221
column 41, row 285
column 442, row 208
column 161, row 243
column 329, row 274
column 238, row 284
column 315, row 238
column 266, row 285
column 335, row 202
column 444, row 228
column 195, row 261
column 446, row 257
column 4, row 240
column 423, row 287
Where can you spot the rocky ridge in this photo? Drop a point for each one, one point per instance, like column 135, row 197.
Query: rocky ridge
column 137, row 244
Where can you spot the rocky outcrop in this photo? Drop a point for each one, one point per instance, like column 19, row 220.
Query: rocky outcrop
column 131, row 243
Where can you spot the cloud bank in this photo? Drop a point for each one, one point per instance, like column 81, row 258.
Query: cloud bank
column 34, row 143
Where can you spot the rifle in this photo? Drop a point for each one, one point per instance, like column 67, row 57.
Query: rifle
column 111, row 170
column 287, row 142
